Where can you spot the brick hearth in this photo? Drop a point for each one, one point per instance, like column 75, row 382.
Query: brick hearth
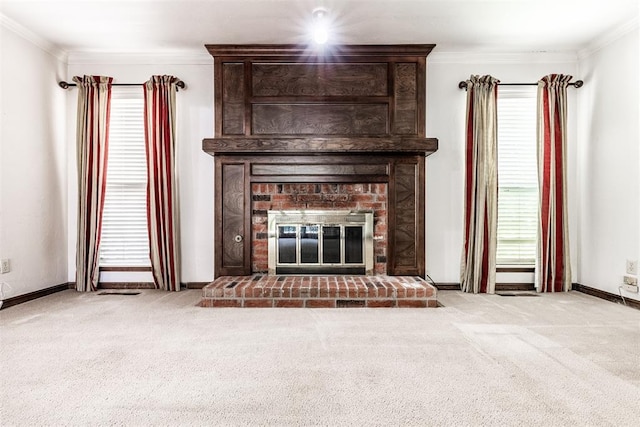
column 319, row 291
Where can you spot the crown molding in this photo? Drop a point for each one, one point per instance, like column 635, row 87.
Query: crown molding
column 140, row 58
column 609, row 37
column 33, row 38
column 463, row 57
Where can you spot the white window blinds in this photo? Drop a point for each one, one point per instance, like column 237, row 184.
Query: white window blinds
column 517, row 176
column 125, row 240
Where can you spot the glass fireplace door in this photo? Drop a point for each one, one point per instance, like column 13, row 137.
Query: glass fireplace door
column 314, row 242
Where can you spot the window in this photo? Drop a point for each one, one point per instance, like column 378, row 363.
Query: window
column 517, row 176
column 125, row 240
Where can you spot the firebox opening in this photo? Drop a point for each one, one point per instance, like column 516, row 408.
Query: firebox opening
column 320, row 242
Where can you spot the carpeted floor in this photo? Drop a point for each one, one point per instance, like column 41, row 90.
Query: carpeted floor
column 157, row 359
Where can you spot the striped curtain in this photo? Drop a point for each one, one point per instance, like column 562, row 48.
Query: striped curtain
column 92, row 139
column 478, row 266
column 553, row 270
column 162, row 208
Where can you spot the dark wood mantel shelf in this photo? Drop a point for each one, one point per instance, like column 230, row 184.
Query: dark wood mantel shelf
column 321, row 145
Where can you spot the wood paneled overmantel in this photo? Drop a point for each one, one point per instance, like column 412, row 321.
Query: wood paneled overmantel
column 345, row 114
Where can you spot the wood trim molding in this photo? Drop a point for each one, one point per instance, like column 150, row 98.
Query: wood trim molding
column 515, row 269
column 515, row 287
column 447, row 286
column 9, row 302
column 126, row 285
column 598, row 293
column 138, row 268
column 453, row 286
column 195, row 285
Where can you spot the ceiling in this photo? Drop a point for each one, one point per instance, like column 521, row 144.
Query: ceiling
column 157, row 26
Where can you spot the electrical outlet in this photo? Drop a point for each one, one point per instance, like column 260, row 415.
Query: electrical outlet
column 632, row 266
column 5, row 266
column 630, row 288
column 630, row 280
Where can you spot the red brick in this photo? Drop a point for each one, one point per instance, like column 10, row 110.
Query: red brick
column 381, row 291
column 379, row 188
column 272, row 188
column 290, row 205
column 335, row 197
column 371, row 205
column 241, row 287
column 281, row 198
column 381, row 303
column 226, row 303
column 325, row 291
column 314, row 291
column 432, row 303
column 262, row 205
column 214, row 292
column 322, row 205
column 363, row 198
column 361, row 291
column 260, row 266
column 345, row 205
column 344, row 303
column 380, row 229
column 320, row 303
column 412, row 303
column 282, row 291
column 261, row 302
column 304, row 291
column 309, row 198
column 254, row 291
column 289, row 303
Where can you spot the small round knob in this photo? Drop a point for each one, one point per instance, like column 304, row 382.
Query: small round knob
column 238, row 238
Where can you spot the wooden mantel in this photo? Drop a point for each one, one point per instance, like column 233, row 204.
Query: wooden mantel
column 320, row 145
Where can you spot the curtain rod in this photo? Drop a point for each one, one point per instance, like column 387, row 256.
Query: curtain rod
column 576, row 84
column 65, row 85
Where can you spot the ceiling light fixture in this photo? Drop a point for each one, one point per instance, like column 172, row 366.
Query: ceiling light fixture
column 320, row 25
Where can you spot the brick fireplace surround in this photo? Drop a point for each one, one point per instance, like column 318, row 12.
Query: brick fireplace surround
column 266, row 197
column 303, row 130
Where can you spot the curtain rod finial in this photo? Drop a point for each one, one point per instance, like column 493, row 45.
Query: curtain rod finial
column 63, row 84
column 462, row 85
column 578, row 83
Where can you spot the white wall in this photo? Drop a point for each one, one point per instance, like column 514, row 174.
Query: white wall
column 33, row 157
column 194, row 168
column 446, row 105
column 608, row 162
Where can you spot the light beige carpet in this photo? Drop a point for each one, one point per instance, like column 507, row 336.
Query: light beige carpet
column 157, row 359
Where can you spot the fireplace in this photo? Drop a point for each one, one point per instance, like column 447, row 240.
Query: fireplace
column 329, row 146
column 320, row 242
